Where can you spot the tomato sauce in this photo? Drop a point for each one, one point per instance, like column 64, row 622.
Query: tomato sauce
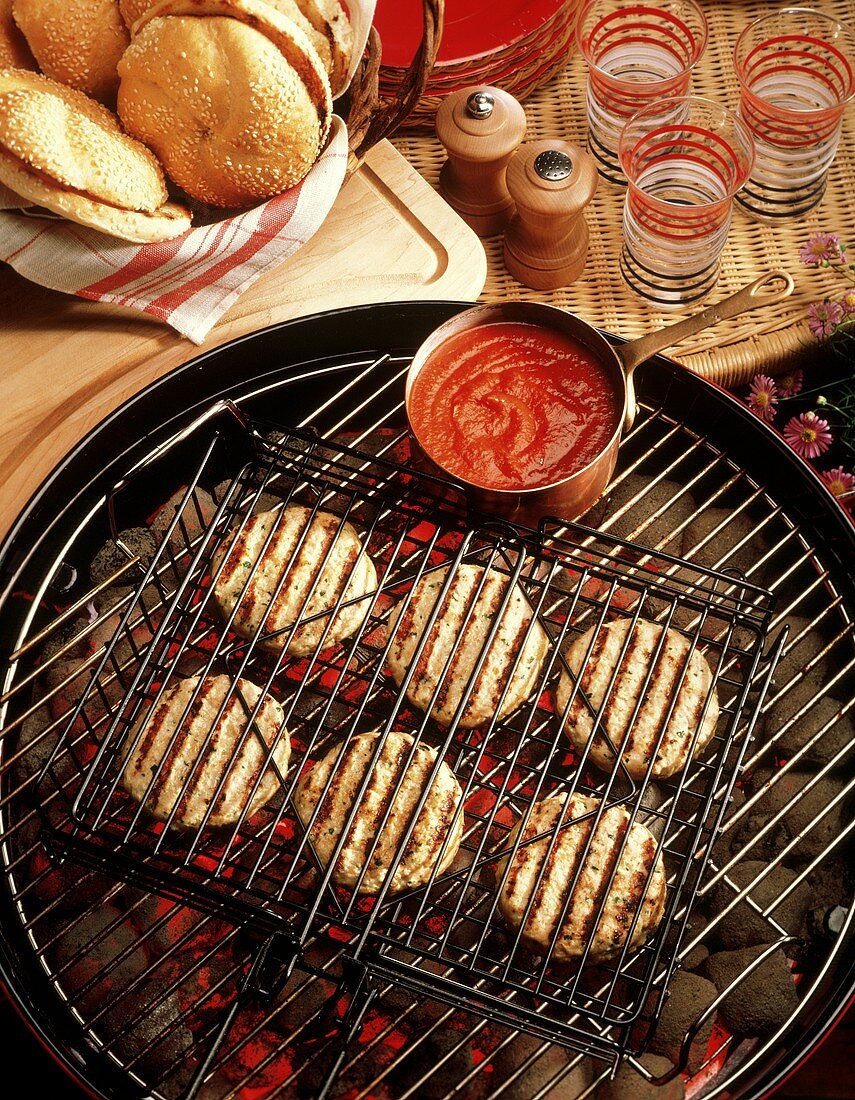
column 511, row 405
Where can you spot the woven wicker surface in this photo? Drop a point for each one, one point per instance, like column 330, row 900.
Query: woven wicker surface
column 767, row 338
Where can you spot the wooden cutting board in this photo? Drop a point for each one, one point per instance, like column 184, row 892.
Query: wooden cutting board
column 67, row 363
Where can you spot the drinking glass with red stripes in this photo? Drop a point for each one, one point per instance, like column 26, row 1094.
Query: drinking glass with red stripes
column 637, row 54
column 681, row 180
column 796, row 73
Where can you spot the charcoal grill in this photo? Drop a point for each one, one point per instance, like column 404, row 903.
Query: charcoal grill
column 218, row 970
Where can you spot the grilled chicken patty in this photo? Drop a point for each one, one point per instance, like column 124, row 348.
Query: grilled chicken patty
column 508, row 668
column 298, row 573
column 600, row 911
column 613, row 679
column 215, row 744
column 435, row 838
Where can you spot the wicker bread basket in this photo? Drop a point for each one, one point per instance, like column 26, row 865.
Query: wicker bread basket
column 188, row 282
column 519, row 68
column 371, row 118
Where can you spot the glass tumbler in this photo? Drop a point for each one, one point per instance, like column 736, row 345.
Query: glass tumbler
column 795, row 73
column 637, row 54
column 681, row 180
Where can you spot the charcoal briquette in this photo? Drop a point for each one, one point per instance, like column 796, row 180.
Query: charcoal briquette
column 114, row 554
column 687, row 997
column 743, row 926
column 760, row 1001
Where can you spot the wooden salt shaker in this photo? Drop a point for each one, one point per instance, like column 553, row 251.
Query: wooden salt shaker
column 546, row 241
column 480, row 128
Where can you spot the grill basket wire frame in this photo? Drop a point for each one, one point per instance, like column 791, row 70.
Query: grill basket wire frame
column 570, row 583
column 790, row 561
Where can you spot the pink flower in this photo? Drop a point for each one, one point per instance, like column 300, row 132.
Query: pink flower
column 847, row 303
column 808, row 435
column 821, row 248
column 823, row 316
column 839, row 481
column 790, row 384
column 763, row 397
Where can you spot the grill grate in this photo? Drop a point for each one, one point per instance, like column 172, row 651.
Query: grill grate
column 446, row 939
column 132, row 987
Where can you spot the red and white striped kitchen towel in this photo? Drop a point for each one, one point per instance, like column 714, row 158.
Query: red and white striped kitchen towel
column 191, row 281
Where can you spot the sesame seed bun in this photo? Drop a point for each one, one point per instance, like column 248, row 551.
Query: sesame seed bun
column 168, row 221
column 9, row 200
column 335, row 20
column 230, row 94
column 61, row 150
column 69, row 140
column 14, row 51
column 78, row 42
column 292, row 10
column 132, row 10
column 329, row 29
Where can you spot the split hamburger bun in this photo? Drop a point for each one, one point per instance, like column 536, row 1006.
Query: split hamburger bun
column 370, row 852
column 62, row 150
column 629, row 662
column 293, row 11
column 621, row 878
column 168, row 221
column 132, row 10
column 456, row 658
column 209, row 744
column 11, row 200
column 296, row 578
column 328, row 27
column 77, row 42
column 325, row 23
column 230, row 95
column 66, row 137
column 14, row 51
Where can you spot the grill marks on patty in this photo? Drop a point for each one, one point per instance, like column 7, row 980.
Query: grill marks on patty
column 465, row 643
column 215, row 742
column 668, row 675
column 458, row 641
column 285, row 568
column 620, row 872
column 393, row 786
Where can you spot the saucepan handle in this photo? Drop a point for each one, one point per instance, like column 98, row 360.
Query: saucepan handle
column 769, row 289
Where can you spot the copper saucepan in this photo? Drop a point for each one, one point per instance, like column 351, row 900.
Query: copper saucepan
column 574, row 494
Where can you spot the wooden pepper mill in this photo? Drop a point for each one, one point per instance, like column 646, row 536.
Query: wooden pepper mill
column 480, row 128
column 546, row 241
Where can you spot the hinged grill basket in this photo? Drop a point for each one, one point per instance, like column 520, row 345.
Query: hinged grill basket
column 445, row 937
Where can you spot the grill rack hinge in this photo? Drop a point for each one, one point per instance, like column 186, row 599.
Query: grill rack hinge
column 356, row 985
column 270, row 970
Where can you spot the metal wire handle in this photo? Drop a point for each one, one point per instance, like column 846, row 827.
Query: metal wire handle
column 162, row 449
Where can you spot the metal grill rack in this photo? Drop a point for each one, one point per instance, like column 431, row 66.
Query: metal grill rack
column 446, row 940
column 130, row 989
